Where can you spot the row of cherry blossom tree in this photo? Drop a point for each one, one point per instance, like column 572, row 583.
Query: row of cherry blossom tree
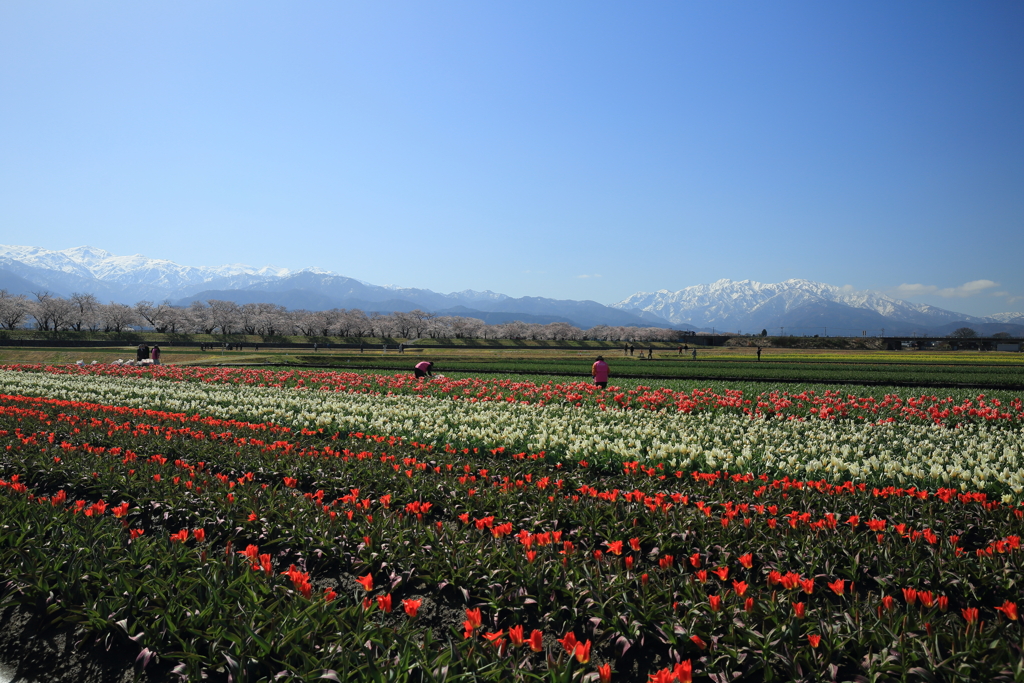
column 84, row 312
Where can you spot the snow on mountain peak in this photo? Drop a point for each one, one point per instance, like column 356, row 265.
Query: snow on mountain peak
column 102, row 265
column 745, row 304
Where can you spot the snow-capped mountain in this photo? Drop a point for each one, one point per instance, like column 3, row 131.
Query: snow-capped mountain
column 132, row 270
column 800, row 305
column 130, row 279
column 1017, row 318
column 790, row 307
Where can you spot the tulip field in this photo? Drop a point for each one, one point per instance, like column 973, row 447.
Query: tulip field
column 219, row 524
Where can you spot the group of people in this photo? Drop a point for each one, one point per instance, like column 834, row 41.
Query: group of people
column 628, row 349
column 145, row 353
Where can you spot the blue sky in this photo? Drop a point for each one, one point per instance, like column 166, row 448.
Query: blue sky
column 581, row 150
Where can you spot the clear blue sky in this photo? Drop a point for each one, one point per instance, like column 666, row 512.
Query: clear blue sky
column 580, row 150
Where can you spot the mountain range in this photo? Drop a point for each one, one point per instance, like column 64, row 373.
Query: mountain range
column 805, row 307
column 791, row 307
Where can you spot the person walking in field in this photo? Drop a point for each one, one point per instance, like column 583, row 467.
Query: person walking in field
column 155, row 354
column 423, row 369
column 650, row 351
column 600, row 372
column 759, row 353
column 695, row 354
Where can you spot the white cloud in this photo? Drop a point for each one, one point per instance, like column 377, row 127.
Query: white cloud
column 583, row 277
column 909, row 291
column 968, row 289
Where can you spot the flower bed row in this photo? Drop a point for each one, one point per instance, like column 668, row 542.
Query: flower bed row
column 829, row 405
column 240, row 550
column 980, row 456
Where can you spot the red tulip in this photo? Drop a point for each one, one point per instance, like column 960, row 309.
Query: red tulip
column 814, row 639
column 515, row 634
column 799, row 610
column 366, row 582
column 1009, row 609
column 663, row 676
column 569, row 642
column 496, row 639
column 384, row 602
column 604, row 673
column 536, row 640
column 411, row 606
column 582, row 652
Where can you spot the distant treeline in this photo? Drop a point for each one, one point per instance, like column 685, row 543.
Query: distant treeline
column 84, row 312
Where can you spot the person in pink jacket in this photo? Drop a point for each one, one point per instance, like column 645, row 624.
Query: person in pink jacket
column 423, row 369
column 600, row 372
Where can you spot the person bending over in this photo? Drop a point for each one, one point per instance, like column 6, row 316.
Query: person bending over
column 422, row 369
